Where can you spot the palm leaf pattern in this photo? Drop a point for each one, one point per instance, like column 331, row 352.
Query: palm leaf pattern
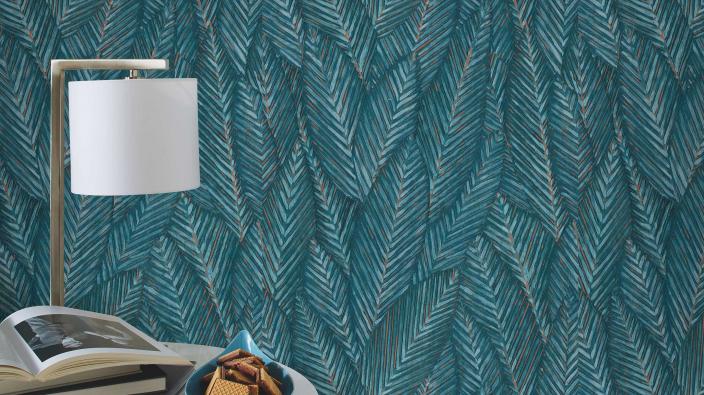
column 398, row 196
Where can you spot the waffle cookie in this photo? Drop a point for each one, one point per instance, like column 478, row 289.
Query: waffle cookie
column 225, row 387
column 242, row 373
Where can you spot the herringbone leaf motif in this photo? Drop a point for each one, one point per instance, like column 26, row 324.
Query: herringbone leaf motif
column 399, row 196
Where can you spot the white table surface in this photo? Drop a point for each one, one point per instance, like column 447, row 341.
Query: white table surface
column 195, row 353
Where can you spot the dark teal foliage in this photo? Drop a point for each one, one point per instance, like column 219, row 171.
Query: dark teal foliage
column 399, row 196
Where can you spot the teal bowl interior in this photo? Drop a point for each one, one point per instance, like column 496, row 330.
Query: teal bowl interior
column 243, row 340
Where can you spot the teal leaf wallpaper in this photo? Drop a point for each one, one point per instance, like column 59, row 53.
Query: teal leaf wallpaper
column 399, row 196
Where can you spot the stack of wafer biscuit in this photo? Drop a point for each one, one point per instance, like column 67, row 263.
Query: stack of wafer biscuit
column 241, row 373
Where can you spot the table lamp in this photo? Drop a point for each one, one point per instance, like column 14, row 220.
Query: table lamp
column 129, row 136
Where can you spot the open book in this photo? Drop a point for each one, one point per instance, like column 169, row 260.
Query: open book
column 55, row 344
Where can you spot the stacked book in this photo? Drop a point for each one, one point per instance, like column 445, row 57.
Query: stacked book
column 58, row 350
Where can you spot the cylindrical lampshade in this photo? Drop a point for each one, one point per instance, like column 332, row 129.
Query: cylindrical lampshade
column 133, row 136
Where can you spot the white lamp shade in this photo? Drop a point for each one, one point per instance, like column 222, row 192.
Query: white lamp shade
column 133, row 136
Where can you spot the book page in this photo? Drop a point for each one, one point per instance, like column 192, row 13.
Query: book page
column 10, row 359
column 59, row 341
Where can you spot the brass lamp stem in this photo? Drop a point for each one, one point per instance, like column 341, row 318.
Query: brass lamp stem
column 56, row 198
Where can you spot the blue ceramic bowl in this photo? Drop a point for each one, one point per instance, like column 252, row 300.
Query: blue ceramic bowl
column 244, row 341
